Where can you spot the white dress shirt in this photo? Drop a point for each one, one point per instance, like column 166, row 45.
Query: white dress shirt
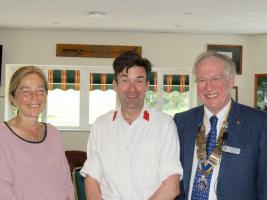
column 213, row 185
column 131, row 161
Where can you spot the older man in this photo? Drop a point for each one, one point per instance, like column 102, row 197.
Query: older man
column 223, row 143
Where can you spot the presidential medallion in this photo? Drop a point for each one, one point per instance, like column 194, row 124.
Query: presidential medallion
column 202, row 183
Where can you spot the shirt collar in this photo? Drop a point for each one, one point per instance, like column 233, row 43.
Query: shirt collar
column 220, row 115
column 145, row 114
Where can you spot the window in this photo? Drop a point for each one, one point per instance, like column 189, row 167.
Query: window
column 63, row 101
column 73, row 92
column 152, row 93
column 102, row 97
column 175, row 93
column 78, row 95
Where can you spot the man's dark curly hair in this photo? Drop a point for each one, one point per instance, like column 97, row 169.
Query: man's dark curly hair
column 130, row 59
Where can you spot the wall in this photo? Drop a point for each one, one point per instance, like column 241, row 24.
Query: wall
column 258, row 46
column 163, row 49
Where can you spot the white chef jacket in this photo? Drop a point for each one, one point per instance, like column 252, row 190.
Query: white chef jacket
column 131, row 161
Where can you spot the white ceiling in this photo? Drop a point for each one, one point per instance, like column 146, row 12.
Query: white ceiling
column 181, row 16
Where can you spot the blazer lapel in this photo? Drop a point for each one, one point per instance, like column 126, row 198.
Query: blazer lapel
column 234, row 125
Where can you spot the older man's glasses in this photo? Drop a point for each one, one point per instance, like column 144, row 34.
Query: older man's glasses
column 215, row 80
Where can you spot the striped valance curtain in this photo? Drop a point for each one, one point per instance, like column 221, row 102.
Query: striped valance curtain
column 63, row 79
column 103, row 81
column 175, row 82
column 100, row 81
column 153, row 84
column 70, row 79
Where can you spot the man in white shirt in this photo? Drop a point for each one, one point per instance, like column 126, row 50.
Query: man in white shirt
column 223, row 143
column 133, row 152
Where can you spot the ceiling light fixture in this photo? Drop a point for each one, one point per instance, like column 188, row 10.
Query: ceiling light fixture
column 177, row 25
column 97, row 14
column 56, row 23
column 188, row 13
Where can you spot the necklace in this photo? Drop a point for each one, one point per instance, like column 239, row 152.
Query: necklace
column 206, row 165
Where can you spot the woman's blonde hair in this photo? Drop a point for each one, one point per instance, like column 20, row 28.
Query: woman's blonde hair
column 20, row 74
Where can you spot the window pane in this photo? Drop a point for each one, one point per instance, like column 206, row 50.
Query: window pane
column 175, row 93
column 63, row 107
column 102, row 97
column 100, row 102
column 151, row 99
column 174, row 102
column 151, row 95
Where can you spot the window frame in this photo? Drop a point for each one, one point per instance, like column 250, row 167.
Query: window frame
column 175, row 71
column 84, row 88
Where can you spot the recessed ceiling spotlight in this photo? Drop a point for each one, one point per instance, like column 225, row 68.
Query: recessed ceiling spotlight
column 188, row 13
column 97, row 14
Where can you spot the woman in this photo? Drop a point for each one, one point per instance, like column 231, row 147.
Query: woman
column 32, row 161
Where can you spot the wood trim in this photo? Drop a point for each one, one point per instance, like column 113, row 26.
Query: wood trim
column 94, row 51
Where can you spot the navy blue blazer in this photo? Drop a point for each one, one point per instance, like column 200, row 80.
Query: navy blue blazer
column 243, row 176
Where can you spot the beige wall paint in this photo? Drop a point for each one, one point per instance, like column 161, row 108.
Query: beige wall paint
column 258, row 54
column 163, row 49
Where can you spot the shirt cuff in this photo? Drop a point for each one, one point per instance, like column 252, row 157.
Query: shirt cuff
column 88, row 169
column 171, row 170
